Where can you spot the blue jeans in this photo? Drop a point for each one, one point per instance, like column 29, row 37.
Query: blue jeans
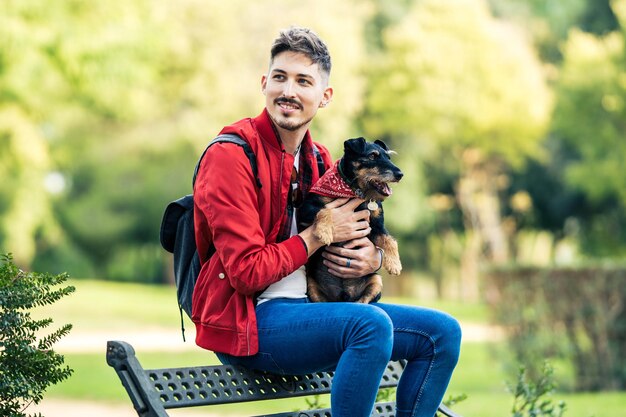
column 356, row 341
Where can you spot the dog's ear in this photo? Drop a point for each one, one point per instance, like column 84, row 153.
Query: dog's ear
column 381, row 144
column 356, row 145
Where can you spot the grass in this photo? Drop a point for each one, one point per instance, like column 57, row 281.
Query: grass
column 127, row 307
column 103, row 305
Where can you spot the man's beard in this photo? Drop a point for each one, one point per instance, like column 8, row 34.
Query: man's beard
column 290, row 125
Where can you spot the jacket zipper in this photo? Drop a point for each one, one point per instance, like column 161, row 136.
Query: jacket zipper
column 282, row 169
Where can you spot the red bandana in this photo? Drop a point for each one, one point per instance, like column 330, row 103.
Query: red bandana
column 332, row 185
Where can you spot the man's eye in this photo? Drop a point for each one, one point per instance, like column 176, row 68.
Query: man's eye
column 304, row 81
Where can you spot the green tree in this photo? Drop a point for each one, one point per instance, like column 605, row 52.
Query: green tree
column 465, row 94
column 111, row 104
column 549, row 22
column 589, row 122
column 25, row 206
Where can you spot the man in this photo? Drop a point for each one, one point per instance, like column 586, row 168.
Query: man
column 250, row 304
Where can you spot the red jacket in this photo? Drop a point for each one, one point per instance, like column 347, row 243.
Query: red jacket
column 243, row 222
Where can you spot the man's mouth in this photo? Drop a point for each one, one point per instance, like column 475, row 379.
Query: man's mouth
column 288, row 105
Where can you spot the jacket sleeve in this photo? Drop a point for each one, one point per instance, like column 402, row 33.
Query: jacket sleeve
column 226, row 195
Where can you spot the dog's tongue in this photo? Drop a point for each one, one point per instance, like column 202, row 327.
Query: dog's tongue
column 386, row 189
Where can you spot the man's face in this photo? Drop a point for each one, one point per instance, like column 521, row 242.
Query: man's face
column 294, row 89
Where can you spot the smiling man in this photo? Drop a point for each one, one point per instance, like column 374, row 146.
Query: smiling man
column 250, row 304
column 294, row 89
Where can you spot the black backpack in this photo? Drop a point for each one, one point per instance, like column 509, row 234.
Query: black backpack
column 178, row 235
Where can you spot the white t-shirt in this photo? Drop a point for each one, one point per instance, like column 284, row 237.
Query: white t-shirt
column 294, row 284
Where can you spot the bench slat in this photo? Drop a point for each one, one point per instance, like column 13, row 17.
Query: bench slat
column 225, row 384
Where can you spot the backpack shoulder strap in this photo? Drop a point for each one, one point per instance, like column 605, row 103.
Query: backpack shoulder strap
column 238, row 141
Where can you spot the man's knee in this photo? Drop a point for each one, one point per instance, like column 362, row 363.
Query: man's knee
column 451, row 339
column 377, row 330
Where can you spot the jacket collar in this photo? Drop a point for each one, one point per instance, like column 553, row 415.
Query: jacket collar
column 268, row 133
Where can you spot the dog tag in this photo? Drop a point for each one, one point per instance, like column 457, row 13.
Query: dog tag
column 372, row 205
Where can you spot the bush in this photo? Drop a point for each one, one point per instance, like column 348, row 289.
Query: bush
column 578, row 314
column 28, row 365
column 531, row 398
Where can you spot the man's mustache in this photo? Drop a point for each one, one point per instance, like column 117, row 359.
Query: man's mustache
column 288, row 101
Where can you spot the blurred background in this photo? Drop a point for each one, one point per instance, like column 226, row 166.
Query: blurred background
column 508, row 118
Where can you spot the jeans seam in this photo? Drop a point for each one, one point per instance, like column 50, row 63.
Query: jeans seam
column 271, row 358
column 430, row 366
column 281, row 370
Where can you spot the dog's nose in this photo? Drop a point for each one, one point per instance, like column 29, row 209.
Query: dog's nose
column 398, row 175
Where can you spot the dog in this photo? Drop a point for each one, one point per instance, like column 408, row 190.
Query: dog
column 364, row 171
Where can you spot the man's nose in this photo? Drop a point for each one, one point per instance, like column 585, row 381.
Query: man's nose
column 289, row 89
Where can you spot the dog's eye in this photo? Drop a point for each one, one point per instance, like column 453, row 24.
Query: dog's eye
column 373, row 155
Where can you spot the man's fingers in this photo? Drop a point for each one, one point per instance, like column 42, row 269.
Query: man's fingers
column 362, row 215
column 355, row 243
column 348, row 203
column 354, row 203
column 343, row 271
column 337, row 203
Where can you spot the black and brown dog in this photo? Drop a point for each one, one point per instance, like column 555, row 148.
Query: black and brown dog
column 364, row 171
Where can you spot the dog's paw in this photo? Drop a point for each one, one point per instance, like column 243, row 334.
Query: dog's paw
column 391, row 259
column 392, row 265
column 324, row 235
column 324, row 227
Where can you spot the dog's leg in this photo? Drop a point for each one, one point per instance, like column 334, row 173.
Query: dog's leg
column 324, row 226
column 391, row 260
column 372, row 290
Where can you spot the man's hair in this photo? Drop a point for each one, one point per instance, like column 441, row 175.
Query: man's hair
column 305, row 41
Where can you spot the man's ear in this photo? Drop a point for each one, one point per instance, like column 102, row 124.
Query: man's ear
column 356, row 145
column 327, row 97
column 263, row 83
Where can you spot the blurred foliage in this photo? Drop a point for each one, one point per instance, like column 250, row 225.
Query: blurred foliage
column 104, row 109
column 459, row 95
column 573, row 313
column 453, row 78
column 532, row 398
column 549, row 22
column 590, row 120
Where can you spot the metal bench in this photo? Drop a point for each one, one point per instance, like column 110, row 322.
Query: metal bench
column 152, row 391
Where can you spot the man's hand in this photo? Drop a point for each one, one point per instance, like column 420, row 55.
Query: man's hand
column 342, row 224
column 363, row 256
column 348, row 224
